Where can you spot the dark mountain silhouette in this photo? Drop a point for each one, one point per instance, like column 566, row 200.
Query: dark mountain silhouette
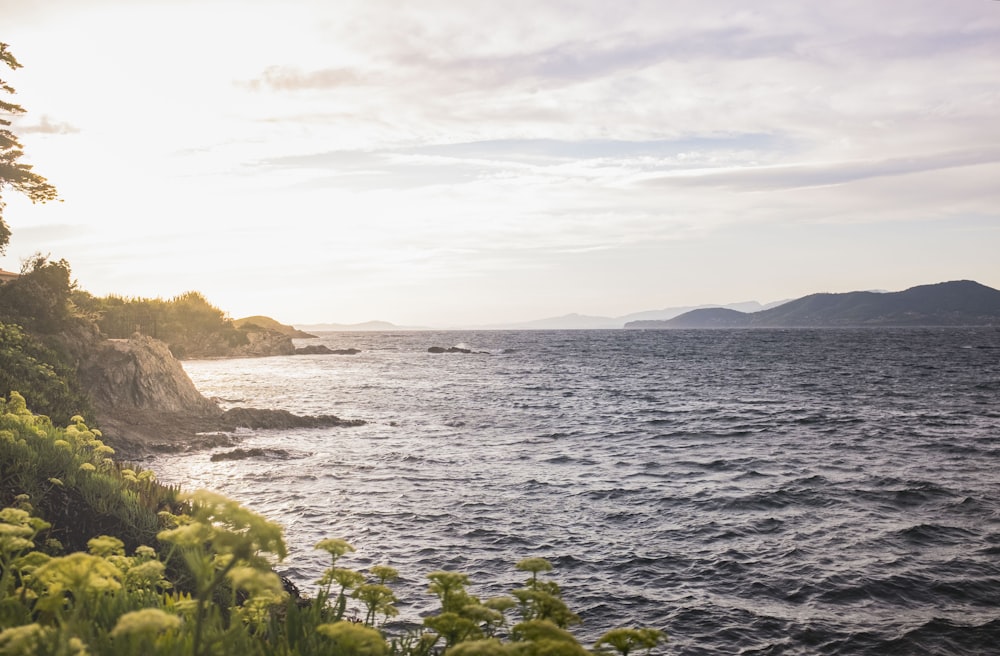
column 956, row 303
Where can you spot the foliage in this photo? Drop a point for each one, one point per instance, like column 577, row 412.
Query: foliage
column 39, row 299
column 188, row 323
column 13, row 173
column 207, row 586
column 47, row 382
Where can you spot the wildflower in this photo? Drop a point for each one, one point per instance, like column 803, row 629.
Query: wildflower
column 23, row 640
column 148, row 621
column 146, row 575
column 233, row 529
column 17, row 528
column 255, row 582
column 500, row 603
column 31, row 561
column 87, row 467
column 453, row 628
column 191, row 535
column 335, row 547
column 347, row 579
column 63, row 444
column 142, row 552
column 80, row 573
column 354, row 639
column 377, row 598
column 106, row 545
column 384, row 573
column 488, row 647
column 545, row 633
column 534, row 565
column 625, row 640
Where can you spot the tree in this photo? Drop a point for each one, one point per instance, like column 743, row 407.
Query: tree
column 39, row 299
column 13, row 173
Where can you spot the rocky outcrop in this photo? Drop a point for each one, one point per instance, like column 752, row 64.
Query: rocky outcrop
column 140, row 375
column 263, row 343
column 322, row 349
column 450, row 349
column 145, row 401
column 256, row 343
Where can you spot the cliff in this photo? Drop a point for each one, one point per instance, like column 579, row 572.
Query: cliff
column 144, row 401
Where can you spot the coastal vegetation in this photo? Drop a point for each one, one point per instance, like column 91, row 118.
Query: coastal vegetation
column 188, row 323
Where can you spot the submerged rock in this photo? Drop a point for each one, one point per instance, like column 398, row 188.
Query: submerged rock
column 450, row 349
column 243, row 454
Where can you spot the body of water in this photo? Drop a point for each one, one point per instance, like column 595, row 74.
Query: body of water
column 748, row 491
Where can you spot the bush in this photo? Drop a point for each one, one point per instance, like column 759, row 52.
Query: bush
column 46, row 380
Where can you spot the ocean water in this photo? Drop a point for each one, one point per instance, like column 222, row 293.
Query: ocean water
column 749, row 491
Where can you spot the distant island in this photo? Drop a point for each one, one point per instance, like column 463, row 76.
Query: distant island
column 955, row 303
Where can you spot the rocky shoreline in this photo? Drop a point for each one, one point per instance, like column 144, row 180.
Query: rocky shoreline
column 146, row 403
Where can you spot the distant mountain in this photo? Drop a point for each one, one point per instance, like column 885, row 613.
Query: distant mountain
column 373, row 326
column 956, row 303
column 589, row 322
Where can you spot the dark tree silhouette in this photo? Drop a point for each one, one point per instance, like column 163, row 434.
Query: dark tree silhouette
column 13, row 173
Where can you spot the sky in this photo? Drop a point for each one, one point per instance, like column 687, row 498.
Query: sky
column 442, row 163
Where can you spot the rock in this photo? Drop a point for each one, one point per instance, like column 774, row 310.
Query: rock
column 322, row 349
column 450, row 349
column 243, row 454
column 145, row 401
column 264, row 343
column 258, row 418
column 140, row 375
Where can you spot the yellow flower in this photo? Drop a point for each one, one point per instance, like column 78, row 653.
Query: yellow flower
column 384, row 573
column 142, row 552
column 147, row 621
column 87, row 467
column 147, row 574
column 353, row 639
column 334, row 546
column 255, row 582
column 79, row 572
column 534, row 565
column 23, row 640
column 106, row 545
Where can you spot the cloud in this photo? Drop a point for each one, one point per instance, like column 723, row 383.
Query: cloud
column 284, row 78
column 830, row 173
column 46, row 125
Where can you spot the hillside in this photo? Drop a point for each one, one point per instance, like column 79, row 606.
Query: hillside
column 267, row 323
column 956, row 303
